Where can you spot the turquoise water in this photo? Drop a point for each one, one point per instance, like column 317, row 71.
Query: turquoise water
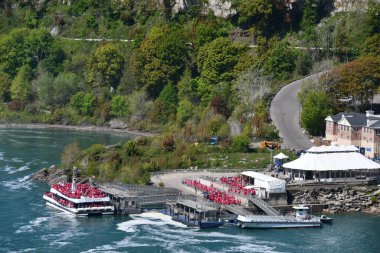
column 26, row 225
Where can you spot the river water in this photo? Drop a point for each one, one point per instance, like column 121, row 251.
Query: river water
column 26, row 225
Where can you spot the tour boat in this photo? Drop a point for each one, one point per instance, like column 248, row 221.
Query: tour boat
column 78, row 199
column 300, row 220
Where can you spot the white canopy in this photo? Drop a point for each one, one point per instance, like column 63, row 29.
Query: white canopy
column 332, row 149
column 281, row 156
column 332, row 162
column 271, row 184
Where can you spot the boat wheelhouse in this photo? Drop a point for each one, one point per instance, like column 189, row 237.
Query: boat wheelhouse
column 78, row 199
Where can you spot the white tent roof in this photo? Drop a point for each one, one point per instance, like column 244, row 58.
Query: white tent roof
column 332, row 149
column 259, row 176
column 281, row 156
column 272, row 184
column 332, row 161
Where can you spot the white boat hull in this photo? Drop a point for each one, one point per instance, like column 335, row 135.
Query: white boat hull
column 54, row 204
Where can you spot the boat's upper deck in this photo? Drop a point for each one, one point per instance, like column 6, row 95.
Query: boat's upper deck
column 83, row 192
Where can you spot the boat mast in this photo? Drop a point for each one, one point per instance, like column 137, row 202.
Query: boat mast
column 73, row 185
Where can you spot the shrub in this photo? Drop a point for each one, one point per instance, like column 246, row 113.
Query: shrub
column 168, row 142
column 94, row 151
column 241, row 143
column 374, row 200
column 131, row 149
column 119, row 106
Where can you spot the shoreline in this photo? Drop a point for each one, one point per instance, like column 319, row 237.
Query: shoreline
column 78, row 128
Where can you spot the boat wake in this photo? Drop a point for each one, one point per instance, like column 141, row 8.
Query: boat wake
column 155, row 232
column 32, row 225
column 149, row 218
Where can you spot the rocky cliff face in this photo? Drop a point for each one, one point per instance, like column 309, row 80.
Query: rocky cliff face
column 343, row 199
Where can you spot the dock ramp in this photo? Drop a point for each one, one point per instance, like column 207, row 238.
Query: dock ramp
column 263, row 205
column 237, row 210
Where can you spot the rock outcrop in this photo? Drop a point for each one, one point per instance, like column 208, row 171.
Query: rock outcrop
column 51, row 175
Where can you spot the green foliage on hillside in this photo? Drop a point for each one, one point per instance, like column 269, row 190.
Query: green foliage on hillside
column 184, row 72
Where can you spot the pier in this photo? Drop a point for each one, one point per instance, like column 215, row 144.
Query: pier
column 131, row 199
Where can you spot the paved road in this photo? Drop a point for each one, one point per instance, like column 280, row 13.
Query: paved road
column 284, row 111
column 235, row 128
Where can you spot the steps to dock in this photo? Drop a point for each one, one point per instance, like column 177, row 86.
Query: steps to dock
column 263, row 206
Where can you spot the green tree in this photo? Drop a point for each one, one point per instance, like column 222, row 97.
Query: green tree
column 161, row 58
column 309, row 19
column 83, row 103
column 184, row 111
column 203, row 34
column 316, row 107
column 168, row 97
column 280, row 61
column 104, row 67
column 119, row 106
column 21, row 89
column 252, row 11
column 5, row 84
column 22, row 46
column 187, row 87
column 54, row 61
column 371, row 46
column 241, row 143
column 216, row 60
column 57, row 91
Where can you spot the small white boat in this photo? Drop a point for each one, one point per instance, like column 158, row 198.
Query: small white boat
column 325, row 219
column 301, row 219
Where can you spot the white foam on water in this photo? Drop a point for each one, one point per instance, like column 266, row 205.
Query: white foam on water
column 8, row 168
column 250, row 247
column 113, row 247
column 148, row 218
column 160, row 216
column 32, row 225
column 23, row 182
column 17, row 160
column 23, row 168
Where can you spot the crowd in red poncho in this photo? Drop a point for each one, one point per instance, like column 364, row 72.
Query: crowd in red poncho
column 236, row 185
column 84, row 190
column 212, row 193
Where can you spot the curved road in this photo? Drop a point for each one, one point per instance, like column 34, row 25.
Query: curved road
column 285, row 110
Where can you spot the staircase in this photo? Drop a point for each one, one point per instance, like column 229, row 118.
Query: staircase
column 237, row 210
column 263, row 206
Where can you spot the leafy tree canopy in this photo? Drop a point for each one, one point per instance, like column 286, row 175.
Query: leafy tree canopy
column 23, row 46
column 216, row 61
column 161, row 58
column 105, row 66
column 316, row 107
column 21, row 88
